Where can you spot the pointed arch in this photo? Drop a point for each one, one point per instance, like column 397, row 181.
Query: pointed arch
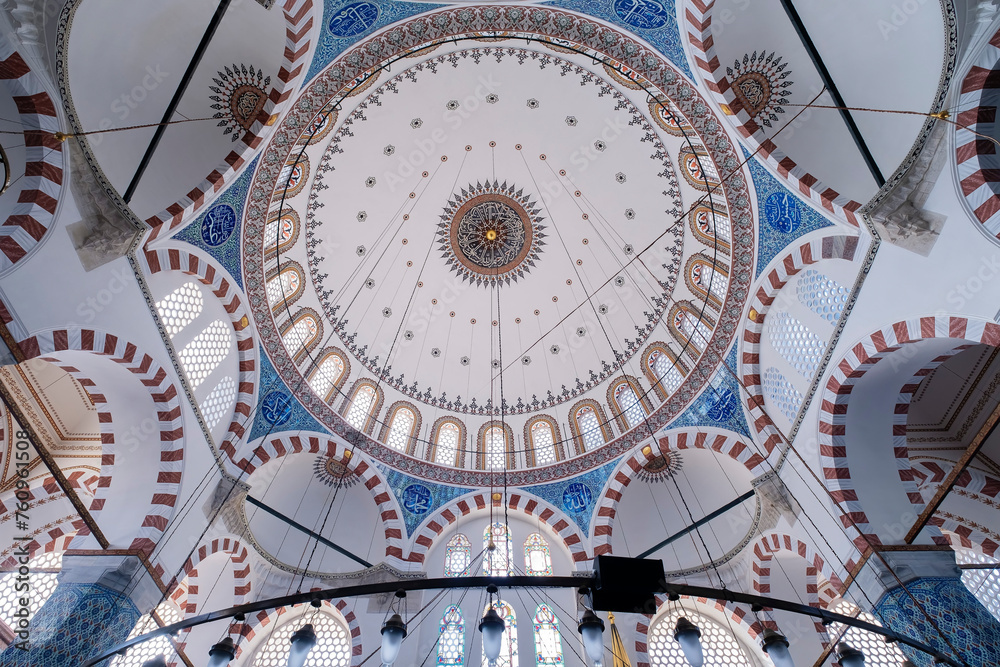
column 267, row 622
column 451, row 642
column 301, row 334
column 284, row 230
column 628, row 402
column 663, row 368
column 508, row 644
column 498, row 561
column 448, row 442
column 708, row 278
column 457, row 556
column 362, row 405
column 285, row 285
column 400, row 427
column 710, row 224
column 548, row 645
column 690, row 327
column 330, row 373
column 495, row 447
column 698, row 167
column 543, row 440
column 588, row 425
column 537, row 559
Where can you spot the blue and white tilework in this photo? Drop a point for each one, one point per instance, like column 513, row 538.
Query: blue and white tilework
column 277, row 409
column 418, row 498
column 720, row 404
column 577, row 496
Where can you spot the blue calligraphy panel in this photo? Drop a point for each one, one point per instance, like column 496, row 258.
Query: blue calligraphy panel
column 577, row 497
column 783, row 212
column 723, row 406
column 218, row 225
column 417, row 499
column 276, row 408
column 644, row 14
column 354, row 19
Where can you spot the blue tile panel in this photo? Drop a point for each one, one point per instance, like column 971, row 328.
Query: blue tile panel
column 720, row 404
column 577, row 497
column 418, row 498
column 277, row 410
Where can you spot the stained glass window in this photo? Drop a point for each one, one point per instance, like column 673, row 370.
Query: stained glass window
column 138, row 655
column 361, row 406
column 457, row 556
column 543, row 443
column 666, row 370
column 782, row 393
column 401, row 428
column 179, row 308
column 301, row 334
column 496, row 563
column 984, row 584
column 327, row 375
column 451, row 644
column 204, row 354
column 548, row 645
column 824, row 296
column 332, row 649
column 446, row 451
column 508, row 643
column 219, row 402
column 877, row 652
column 493, row 441
column 44, row 578
column 629, row 405
column 589, row 427
column 720, row 647
column 796, row 343
column 537, row 559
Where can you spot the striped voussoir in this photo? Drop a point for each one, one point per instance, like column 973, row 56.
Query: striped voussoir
column 958, row 534
column 168, row 412
column 738, row 614
column 298, row 25
column 259, row 622
column 835, row 246
column 836, row 397
column 48, row 488
column 976, row 156
column 54, row 537
column 480, row 501
column 698, row 18
column 176, row 259
column 356, row 462
column 41, row 184
column 620, row 478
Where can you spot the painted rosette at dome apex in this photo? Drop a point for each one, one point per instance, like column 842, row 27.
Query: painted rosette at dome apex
column 505, row 158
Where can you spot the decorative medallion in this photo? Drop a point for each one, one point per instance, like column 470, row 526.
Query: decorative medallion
column 782, row 212
column 760, row 86
column 417, row 499
column 353, row 19
column 218, row 225
column 660, row 468
column 240, row 94
column 577, row 497
column 276, row 408
column 491, row 233
column 644, row 14
column 331, row 472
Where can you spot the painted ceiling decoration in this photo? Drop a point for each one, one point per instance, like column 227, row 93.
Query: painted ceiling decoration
column 239, row 95
column 760, row 83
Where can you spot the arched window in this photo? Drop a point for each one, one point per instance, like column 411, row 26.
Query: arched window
column 697, row 167
column 877, row 652
column 800, row 347
column 219, row 402
column 542, row 435
column 669, row 118
column 691, row 327
column 710, row 225
column 496, row 562
column 720, row 647
column 204, row 354
column 984, row 584
column 537, row 559
column 280, row 233
column 292, row 178
column 402, row 427
column 495, row 447
column 332, row 649
column 180, row 308
column 548, row 645
column 626, row 404
column 822, row 295
column 286, row 287
column 664, row 370
column 708, row 278
column 451, row 644
column 508, row 642
column 139, row 654
column 782, row 393
column 360, row 411
column 44, row 579
column 457, row 556
column 589, row 426
column 301, row 334
column 327, row 376
column 449, row 440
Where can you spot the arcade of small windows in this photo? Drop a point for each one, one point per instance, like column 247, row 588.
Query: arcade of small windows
column 327, row 376
column 496, row 562
column 332, row 649
column 877, row 652
column 690, row 327
column 711, row 226
column 457, row 556
column 494, row 447
column 796, row 343
column 451, row 643
column 782, row 393
column 708, row 278
column 285, row 288
column 721, row 648
column 824, row 296
column 208, row 349
column 44, row 578
column 548, row 645
column 180, row 308
column 508, row 642
column 217, row 404
column 138, row 655
column 537, row 559
column 280, row 233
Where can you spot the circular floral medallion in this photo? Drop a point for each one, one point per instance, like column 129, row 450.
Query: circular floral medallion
column 490, row 233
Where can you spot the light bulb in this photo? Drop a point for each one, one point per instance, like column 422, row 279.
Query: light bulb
column 492, row 627
column 393, row 633
column 592, row 629
column 848, row 656
column 222, row 653
column 688, row 636
column 158, row 661
column 302, row 642
column 775, row 645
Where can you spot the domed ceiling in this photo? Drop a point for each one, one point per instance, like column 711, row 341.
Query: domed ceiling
column 495, row 228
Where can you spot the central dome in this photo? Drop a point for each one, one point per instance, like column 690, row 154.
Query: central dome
column 490, row 234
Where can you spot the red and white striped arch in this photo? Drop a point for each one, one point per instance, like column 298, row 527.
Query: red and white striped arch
column 698, row 21
column 299, row 18
column 55, row 536
column 823, row 586
column 260, row 622
column 959, row 532
column 164, row 394
column 834, row 246
column 976, row 156
column 836, row 401
column 276, row 448
column 41, row 184
column 717, row 440
column 481, row 501
column 208, row 274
